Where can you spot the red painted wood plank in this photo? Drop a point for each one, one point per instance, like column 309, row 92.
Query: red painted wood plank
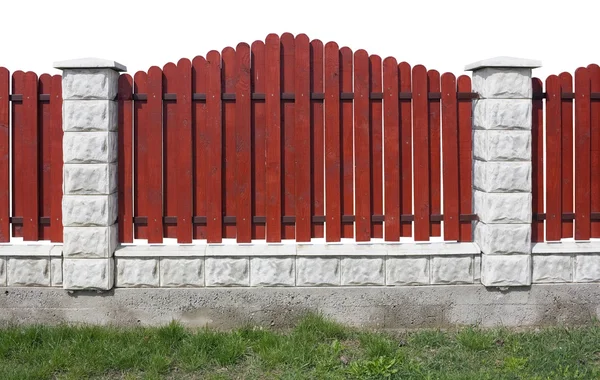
column 594, row 71
column 435, row 171
column 201, row 148
column 44, row 155
column 214, row 152
column 465, row 156
column 140, row 151
column 273, row 136
column 347, row 123
column 259, row 167
column 391, row 149
column 566, row 80
column 583, row 156
column 56, row 166
column 406, row 146
column 31, row 150
column 125, row 158
column 376, row 122
column 553, row 159
column 421, row 155
column 228, row 77
column 243, row 145
column 450, row 157
column 333, row 191
column 302, row 139
column 288, row 132
column 184, row 152
column 170, row 146
column 4, row 157
column 154, row 159
column 363, row 145
column 537, row 149
column 318, row 137
column 18, row 155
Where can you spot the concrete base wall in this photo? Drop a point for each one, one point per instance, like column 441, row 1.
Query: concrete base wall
column 441, row 306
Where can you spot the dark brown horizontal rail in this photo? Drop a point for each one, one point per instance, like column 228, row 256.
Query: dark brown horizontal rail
column 566, row 217
column 565, row 95
column 18, row 220
column 19, row 97
column 291, row 96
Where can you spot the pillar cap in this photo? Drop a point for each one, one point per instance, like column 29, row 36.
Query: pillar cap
column 89, row 63
column 507, row 62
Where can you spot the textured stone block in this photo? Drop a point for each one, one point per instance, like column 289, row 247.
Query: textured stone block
column 90, row 115
column 587, row 268
column 505, row 114
column 502, row 177
column 89, row 84
column 227, row 271
column 90, row 242
column 503, row 239
column 452, row 270
column 506, row 270
column 89, row 210
column 56, row 271
column 28, row 272
column 552, row 268
column 90, row 179
column 317, row 271
column 504, row 208
column 493, row 145
column 407, row 271
column 477, row 268
column 90, row 147
column 363, row 271
column 136, row 273
column 503, row 83
column 181, row 272
column 2, row 272
column 273, row 271
column 89, row 274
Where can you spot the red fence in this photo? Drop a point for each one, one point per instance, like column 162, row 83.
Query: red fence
column 30, row 113
column 290, row 139
column 572, row 185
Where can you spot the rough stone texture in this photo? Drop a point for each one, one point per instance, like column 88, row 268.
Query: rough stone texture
column 495, row 145
column 477, row 269
column 503, row 239
column 89, row 84
column 56, row 271
column 317, row 271
column 90, row 115
column 407, row 271
column 28, row 272
column 503, row 83
column 506, row 270
column 502, row 208
column 136, row 273
column 181, row 272
column 552, row 268
column 502, row 177
column 88, row 274
column 503, row 114
column 452, row 270
column 90, row 147
column 90, row 242
column 363, row 271
column 272, row 271
column 227, row 271
column 587, row 268
column 442, row 306
column 2, row 272
column 90, row 179
column 89, row 210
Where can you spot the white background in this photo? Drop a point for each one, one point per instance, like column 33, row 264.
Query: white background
column 442, row 34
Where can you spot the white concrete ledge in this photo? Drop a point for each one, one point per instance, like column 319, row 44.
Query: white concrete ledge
column 30, row 250
column 566, row 247
column 161, row 251
column 89, row 63
column 504, row 62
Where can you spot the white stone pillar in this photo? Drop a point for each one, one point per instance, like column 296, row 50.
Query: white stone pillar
column 90, row 145
column 502, row 168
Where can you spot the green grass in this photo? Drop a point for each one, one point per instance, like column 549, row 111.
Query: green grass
column 315, row 349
